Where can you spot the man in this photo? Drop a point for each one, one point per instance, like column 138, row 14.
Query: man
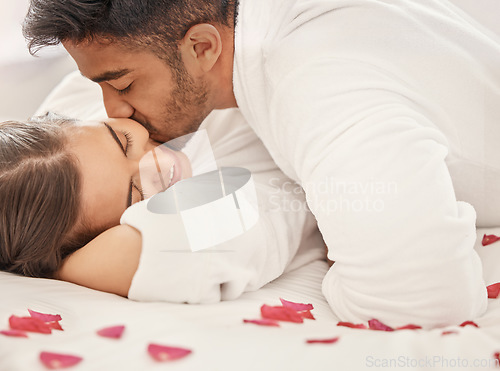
column 370, row 105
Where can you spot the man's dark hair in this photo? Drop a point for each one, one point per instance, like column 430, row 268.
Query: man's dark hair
column 155, row 24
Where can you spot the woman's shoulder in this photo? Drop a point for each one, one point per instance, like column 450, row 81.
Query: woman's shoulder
column 107, row 263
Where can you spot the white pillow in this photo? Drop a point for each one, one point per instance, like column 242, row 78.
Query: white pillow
column 76, row 97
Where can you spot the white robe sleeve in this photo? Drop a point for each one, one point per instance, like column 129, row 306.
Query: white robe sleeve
column 169, row 271
column 373, row 168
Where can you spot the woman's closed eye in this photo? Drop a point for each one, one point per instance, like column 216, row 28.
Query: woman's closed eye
column 125, row 147
column 128, row 141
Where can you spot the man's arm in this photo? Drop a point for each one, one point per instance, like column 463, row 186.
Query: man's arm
column 107, row 263
column 373, row 166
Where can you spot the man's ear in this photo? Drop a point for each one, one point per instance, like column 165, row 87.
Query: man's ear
column 201, row 47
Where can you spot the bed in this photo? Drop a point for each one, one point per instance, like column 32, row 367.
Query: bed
column 217, row 334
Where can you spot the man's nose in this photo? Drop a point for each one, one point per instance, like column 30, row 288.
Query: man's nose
column 116, row 106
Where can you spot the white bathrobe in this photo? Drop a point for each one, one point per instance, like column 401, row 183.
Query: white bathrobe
column 285, row 236
column 388, row 114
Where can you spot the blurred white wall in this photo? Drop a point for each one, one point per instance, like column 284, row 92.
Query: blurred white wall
column 25, row 80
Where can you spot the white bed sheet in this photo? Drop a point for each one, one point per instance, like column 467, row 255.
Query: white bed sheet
column 216, row 333
column 221, row 341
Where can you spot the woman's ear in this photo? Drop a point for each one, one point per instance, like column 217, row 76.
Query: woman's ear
column 201, row 47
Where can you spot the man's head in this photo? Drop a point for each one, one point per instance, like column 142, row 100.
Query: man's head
column 164, row 63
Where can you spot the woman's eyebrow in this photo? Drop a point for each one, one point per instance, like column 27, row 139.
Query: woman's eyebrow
column 115, row 138
column 129, row 197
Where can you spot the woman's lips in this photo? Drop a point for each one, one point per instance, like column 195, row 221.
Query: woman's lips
column 168, row 166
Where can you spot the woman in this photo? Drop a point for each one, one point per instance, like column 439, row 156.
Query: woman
column 65, row 184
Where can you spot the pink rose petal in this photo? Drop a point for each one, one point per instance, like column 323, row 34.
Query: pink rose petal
column 112, row 332
column 468, row 323
column 488, row 239
column 29, row 324
column 409, row 327
column 164, row 353
column 55, row 325
column 56, row 361
column 280, row 314
column 323, row 341
column 298, row 307
column 375, row 324
column 45, row 317
column 352, row 325
column 493, row 290
column 306, row 314
column 16, row 333
column 262, row 322
column 449, row 332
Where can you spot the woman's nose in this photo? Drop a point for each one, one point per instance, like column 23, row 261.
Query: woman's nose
column 116, row 106
column 156, row 170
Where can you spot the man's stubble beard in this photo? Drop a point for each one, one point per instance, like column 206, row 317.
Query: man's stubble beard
column 187, row 105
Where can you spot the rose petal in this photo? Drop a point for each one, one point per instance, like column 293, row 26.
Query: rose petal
column 54, row 325
column 55, row 360
column 16, row 333
column 493, row 290
column 164, row 353
column 306, row 314
column 496, row 357
column 449, row 332
column 375, row 324
column 112, row 332
column 45, row 317
column 409, row 327
column 468, row 323
column 323, row 341
column 352, row 325
column 262, row 322
column 280, row 314
column 29, row 324
column 488, row 239
column 298, row 307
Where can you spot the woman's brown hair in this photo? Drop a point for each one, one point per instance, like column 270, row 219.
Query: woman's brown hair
column 40, row 189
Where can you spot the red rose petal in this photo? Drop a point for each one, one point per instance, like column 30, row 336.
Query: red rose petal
column 449, row 332
column 16, row 333
column 280, row 314
column 112, row 332
column 493, row 290
column 488, row 239
column 262, row 322
column 468, row 323
column 375, row 324
column 306, row 314
column 56, row 361
column 54, row 326
column 352, row 325
column 164, row 353
column 45, row 317
column 29, row 324
column 323, row 341
column 298, row 307
column 496, row 357
column 409, row 327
